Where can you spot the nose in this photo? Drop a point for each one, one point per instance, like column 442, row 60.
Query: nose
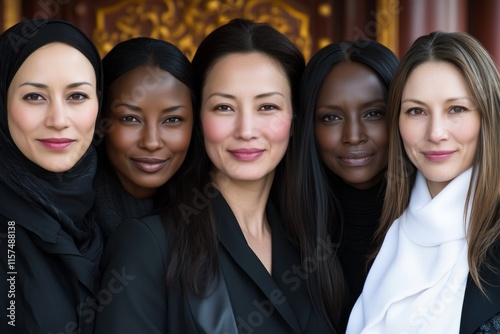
column 353, row 132
column 246, row 123
column 151, row 139
column 57, row 117
column 436, row 128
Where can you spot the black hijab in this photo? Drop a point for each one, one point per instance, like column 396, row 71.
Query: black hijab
column 55, row 208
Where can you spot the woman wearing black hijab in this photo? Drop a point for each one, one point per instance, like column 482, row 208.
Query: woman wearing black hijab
column 50, row 83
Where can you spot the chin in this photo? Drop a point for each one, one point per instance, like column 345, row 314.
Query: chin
column 60, row 168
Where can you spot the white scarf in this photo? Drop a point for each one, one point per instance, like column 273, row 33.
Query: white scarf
column 417, row 282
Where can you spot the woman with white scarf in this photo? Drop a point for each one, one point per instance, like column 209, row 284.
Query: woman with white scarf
column 437, row 267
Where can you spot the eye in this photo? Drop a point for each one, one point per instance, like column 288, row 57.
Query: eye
column 330, row 118
column 173, row 120
column 415, row 111
column 268, row 107
column 457, row 109
column 78, row 96
column 129, row 119
column 33, row 97
column 375, row 114
column 224, row 107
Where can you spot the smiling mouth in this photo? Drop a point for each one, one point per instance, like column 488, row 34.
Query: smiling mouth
column 438, row 156
column 149, row 165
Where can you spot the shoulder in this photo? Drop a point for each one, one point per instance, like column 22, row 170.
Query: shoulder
column 133, row 287
column 135, row 240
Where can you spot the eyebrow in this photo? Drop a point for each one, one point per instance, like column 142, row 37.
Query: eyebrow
column 138, row 109
column 447, row 100
column 229, row 96
column 363, row 105
column 41, row 85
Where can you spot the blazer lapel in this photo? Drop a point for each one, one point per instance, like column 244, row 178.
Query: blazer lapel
column 213, row 313
column 233, row 240
column 288, row 272
column 478, row 308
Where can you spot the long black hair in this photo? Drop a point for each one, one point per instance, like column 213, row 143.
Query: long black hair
column 308, row 203
column 192, row 256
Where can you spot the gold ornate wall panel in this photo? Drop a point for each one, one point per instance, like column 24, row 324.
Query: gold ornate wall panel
column 186, row 23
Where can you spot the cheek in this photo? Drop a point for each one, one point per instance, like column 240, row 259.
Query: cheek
column 216, row 129
column 409, row 134
column 85, row 120
column 378, row 135
column 328, row 138
column 177, row 139
column 20, row 123
column 278, row 128
column 120, row 141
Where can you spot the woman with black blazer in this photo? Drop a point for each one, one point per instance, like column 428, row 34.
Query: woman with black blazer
column 220, row 261
column 437, row 266
column 50, row 88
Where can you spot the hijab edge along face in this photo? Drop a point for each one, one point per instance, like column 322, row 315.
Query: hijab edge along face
column 52, row 113
column 17, row 44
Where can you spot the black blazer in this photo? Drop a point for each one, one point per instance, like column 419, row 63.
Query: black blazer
column 247, row 299
column 477, row 308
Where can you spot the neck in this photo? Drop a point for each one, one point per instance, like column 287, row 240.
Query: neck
column 247, row 200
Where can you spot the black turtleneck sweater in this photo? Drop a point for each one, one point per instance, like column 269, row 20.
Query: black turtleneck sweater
column 360, row 212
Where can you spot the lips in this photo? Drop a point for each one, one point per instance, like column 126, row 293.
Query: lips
column 56, row 144
column 149, row 165
column 246, row 154
column 355, row 159
column 438, row 156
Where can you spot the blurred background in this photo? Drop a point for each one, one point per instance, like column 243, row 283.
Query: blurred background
column 311, row 24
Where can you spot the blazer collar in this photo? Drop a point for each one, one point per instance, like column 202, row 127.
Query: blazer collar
column 233, row 240
column 478, row 308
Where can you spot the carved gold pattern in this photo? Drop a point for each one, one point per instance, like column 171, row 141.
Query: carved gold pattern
column 186, row 23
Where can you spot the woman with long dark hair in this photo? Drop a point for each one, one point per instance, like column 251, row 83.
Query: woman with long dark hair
column 220, row 261
column 335, row 174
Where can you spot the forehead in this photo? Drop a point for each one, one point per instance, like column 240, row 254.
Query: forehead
column 56, row 61
column 437, row 77
column 245, row 67
column 146, row 78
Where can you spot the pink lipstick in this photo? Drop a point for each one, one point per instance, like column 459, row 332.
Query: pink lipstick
column 246, row 154
column 56, row 144
column 438, row 156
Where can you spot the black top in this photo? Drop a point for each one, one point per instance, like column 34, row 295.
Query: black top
column 49, row 243
column 360, row 212
column 247, row 299
column 113, row 204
